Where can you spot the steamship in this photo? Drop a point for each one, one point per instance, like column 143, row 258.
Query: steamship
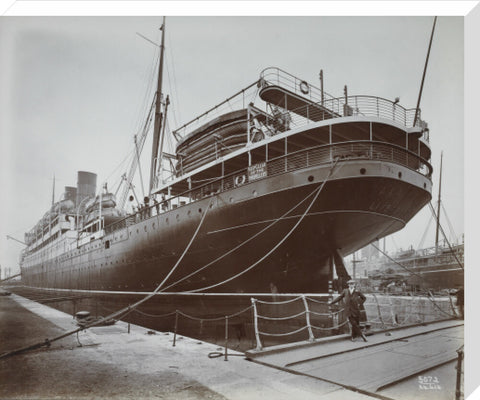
column 265, row 192
column 350, row 169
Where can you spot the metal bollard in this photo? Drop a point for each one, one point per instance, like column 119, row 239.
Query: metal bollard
column 129, row 327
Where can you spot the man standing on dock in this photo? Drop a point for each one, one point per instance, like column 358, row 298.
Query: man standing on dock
column 353, row 300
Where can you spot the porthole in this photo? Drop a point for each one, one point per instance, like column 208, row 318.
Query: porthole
column 424, row 185
column 166, row 221
column 189, row 212
column 400, row 175
column 362, row 171
column 178, row 217
column 255, row 194
column 310, row 178
column 199, row 210
column 231, row 199
column 153, row 225
column 145, row 228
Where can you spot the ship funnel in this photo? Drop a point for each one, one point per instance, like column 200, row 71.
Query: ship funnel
column 70, row 193
column 86, row 185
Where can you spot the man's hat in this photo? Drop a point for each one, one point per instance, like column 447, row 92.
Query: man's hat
column 351, row 281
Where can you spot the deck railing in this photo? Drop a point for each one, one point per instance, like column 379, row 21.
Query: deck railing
column 335, row 107
column 314, row 156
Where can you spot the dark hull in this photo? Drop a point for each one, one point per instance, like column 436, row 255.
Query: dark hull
column 351, row 211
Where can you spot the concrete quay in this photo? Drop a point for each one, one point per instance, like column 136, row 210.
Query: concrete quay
column 113, row 362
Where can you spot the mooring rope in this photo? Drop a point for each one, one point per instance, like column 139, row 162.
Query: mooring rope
column 198, row 270
column 281, row 318
column 318, row 191
column 279, row 302
column 123, row 312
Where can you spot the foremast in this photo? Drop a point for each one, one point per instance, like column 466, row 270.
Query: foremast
column 157, row 127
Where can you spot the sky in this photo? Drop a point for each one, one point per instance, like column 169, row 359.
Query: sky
column 77, row 91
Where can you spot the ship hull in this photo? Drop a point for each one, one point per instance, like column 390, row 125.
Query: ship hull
column 291, row 255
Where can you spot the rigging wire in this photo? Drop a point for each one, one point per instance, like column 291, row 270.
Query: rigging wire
column 139, row 167
column 148, row 79
column 422, row 240
column 430, row 297
column 450, row 226
column 396, row 262
column 280, row 242
column 173, row 87
column 243, row 243
column 445, row 236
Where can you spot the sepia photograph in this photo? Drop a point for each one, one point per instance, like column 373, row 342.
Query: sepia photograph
column 233, row 207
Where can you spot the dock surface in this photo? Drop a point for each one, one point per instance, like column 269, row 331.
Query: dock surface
column 420, row 358
column 109, row 362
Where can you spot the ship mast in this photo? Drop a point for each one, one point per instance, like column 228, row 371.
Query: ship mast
column 439, row 202
column 424, row 72
column 158, row 114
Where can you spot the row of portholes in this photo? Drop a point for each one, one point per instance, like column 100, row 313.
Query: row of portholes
column 167, row 221
column 363, row 171
column 231, row 199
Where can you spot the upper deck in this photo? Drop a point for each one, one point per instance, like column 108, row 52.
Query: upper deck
column 281, row 114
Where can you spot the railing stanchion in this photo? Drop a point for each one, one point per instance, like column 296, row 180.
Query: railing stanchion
column 255, row 324
column 175, row 329
column 392, row 314
column 307, row 316
column 226, row 338
column 458, row 388
column 379, row 312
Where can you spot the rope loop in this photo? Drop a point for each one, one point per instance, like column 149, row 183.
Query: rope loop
column 281, row 318
column 283, row 334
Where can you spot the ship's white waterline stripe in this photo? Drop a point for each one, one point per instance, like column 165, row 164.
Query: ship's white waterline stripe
column 310, row 214
column 244, row 8
column 112, row 292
